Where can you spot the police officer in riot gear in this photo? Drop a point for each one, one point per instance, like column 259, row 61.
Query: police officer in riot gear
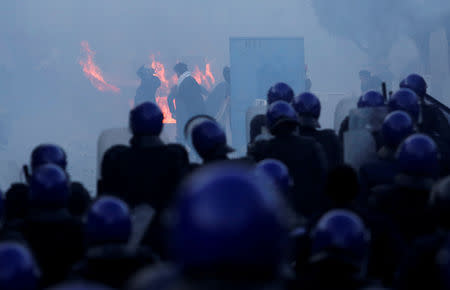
column 148, row 171
column 419, row 268
column 18, row 267
column 17, row 195
column 219, row 249
column 397, row 126
column 209, row 140
column 277, row 92
column 304, row 157
column 433, row 121
column 54, row 236
column 405, row 202
column 146, row 163
column 308, row 109
column 371, row 99
column 339, row 253
column 107, row 260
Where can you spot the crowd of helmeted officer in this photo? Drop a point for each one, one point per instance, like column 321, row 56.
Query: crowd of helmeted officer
column 289, row 215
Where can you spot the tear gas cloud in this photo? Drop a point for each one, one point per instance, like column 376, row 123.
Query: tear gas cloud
column 46, row 97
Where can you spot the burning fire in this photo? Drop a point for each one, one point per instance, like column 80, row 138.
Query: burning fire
column 93, row 72
column 205, row 79
column 164, row 90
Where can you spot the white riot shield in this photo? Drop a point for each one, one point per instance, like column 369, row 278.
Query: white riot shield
column 359, row 147
column 359, row 143
column 224, row 118
column 109, row 138
column 10, row 172
column 142, row 217
column 259, row 108
column 343, row 109
column 367, row 118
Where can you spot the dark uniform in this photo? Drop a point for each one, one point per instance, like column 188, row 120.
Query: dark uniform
column 17, row 202
column 56, row 239
column 434, row 121
column 112, row 265
column 377, row 172
column 419, row 270
column 405, row 203
column 307, row 163
column 189, row 101
column 329, row 141
column 435, row 124
column 400, row 212
column 149, row 172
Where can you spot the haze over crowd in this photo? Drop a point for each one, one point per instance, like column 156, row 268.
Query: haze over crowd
column 46, row 98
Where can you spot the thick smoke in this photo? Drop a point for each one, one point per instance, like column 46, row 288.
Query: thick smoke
column 377, row 26
column 46, row 98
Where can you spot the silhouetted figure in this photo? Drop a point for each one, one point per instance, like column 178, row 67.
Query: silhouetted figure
column 188, row 98
column 150, row 83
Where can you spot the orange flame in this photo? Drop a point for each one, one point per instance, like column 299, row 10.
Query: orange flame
column 164, row 90
column 205, row 79
column 93, row 72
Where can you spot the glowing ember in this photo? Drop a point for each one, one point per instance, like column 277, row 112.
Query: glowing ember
column 93, row 72
column 205, row 79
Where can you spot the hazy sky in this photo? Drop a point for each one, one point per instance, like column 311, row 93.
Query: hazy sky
column 47, row 98
column 123, row 33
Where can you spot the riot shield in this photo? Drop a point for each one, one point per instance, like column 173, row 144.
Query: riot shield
column 10, row 172
column 367, row 118
column 359, row 144
column 258, row 109
column 343, row 108
column 359, row 147
column 142, row 217
column 109, row 138
column 224, row 118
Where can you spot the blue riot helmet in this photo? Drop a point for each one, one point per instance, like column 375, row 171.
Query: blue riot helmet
column 415, row 83
column 209, row 139
column 281, row 117
column 418, row 156
column 49, row 187
column 308, row 109
column 340, row 234
column 108, row 221
column 396, row 127
column 48, row 153
column 146, row 120
column 405, row 100
column 277, row 171
column 280, row 92
column 227, row 220
column 371, row 99
column 18, row 269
